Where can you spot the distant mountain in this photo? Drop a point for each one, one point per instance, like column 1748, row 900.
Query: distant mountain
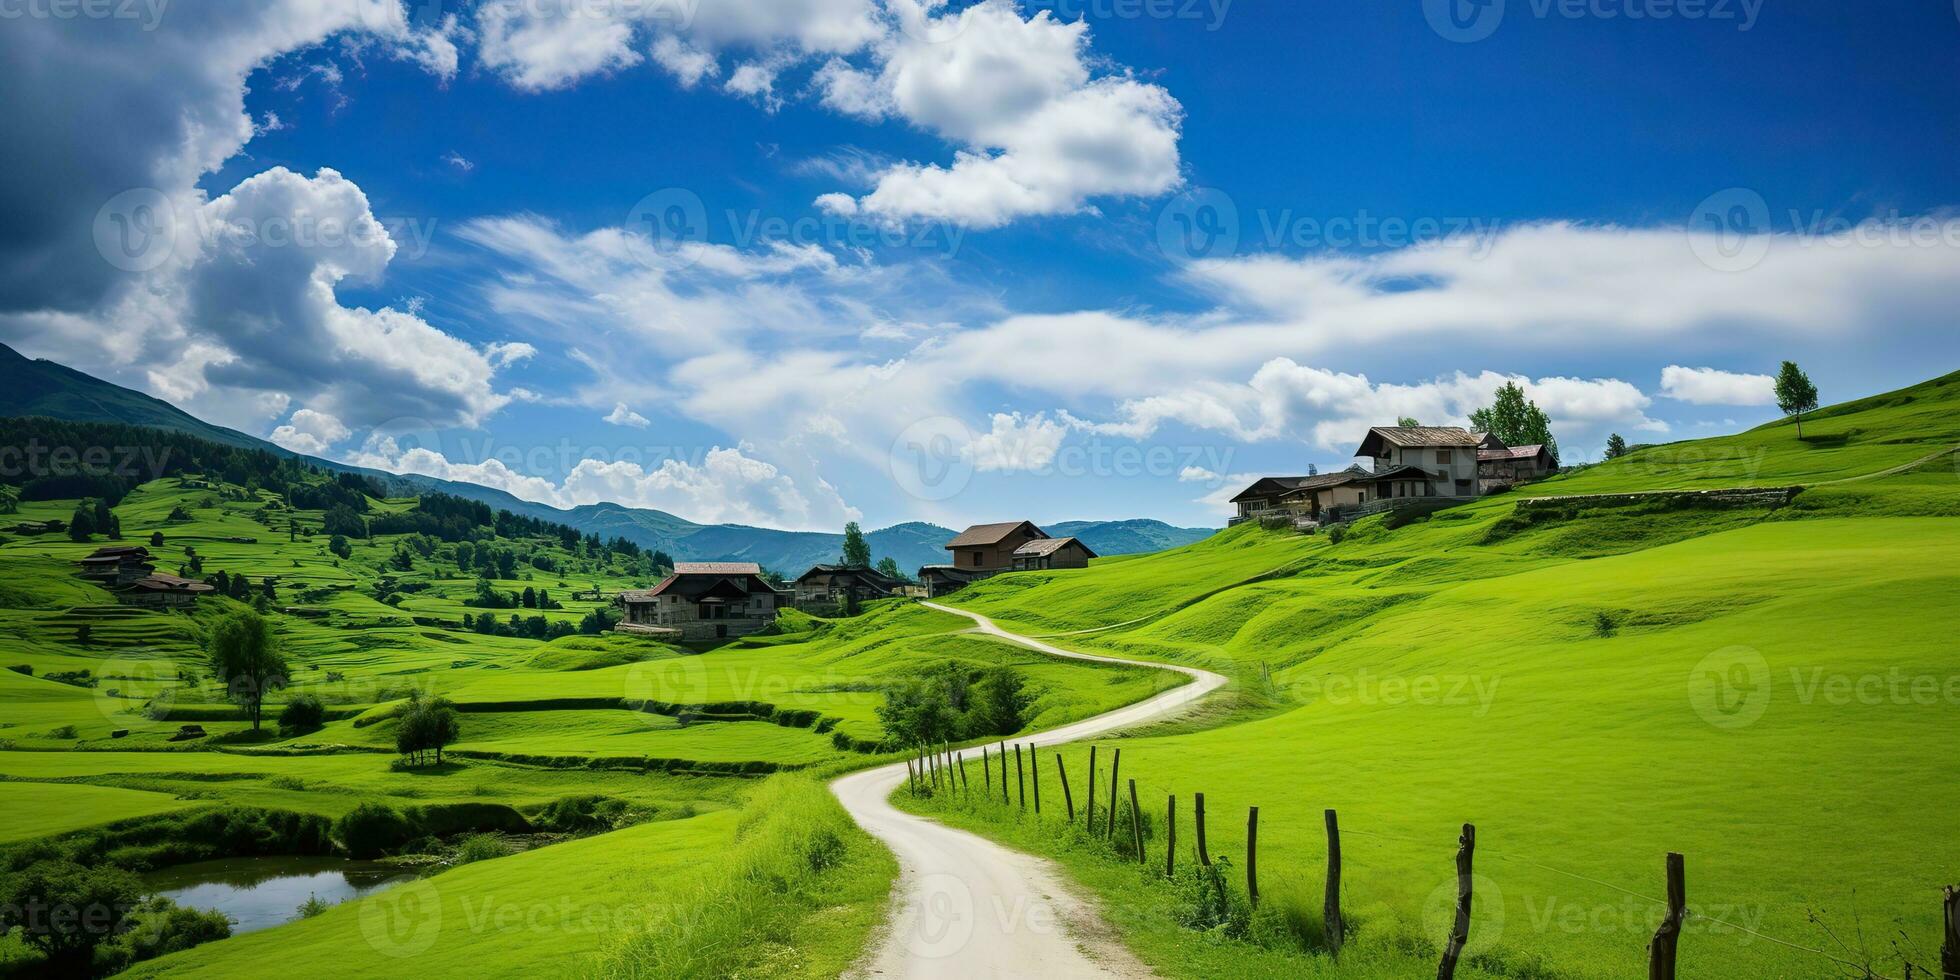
column 39, row 387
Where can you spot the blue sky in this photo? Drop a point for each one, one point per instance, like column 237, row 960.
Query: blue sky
column 803, row 261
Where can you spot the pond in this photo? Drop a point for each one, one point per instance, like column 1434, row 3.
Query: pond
column 259, row 893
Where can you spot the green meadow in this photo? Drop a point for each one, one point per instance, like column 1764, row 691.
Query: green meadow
column 1756, row 688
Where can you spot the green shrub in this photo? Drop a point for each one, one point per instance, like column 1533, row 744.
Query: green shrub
column 27, row 669
column 580, row 815
column 302, row 714
column 481, row 847
column 371, row 830
column 157, row 927
column 1336, row 533
column 1604, row 624
column 313, row 906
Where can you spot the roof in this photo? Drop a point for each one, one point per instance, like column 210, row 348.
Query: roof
column 717, row 568
column 1486, row 440
column 980, row 535
column 1043, row 547
column 1415, row 435
column 118, row 551
column 1352, row 474
column 1511, row 452
column 171, row 583
column 1272, row 486
column 875, row 576
column 1399, row 473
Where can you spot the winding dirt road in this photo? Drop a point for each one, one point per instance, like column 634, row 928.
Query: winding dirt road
column 967, row 907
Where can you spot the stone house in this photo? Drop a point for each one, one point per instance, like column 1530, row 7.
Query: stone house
column 702, row 602
column 1044, row 553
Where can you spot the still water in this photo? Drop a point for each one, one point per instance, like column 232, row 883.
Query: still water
column 259, row 893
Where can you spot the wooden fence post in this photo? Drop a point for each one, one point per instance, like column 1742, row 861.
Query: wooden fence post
column 1068, row 798
column 911, row 778
column 1170, row 836
column 1950, row 945
column 1204, row 856
column 1020, row 777
column 1667, row 938
column 1034, row 776
column 1115, row 766
column 966, row 788
column 1331, row 907
column 1252, row 855
column 1460, row 929
column 1003, row 774
column 1090, row 816
column 1136, row 821
column 987, row 772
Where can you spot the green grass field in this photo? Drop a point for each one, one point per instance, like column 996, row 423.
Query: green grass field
column 1755, row 688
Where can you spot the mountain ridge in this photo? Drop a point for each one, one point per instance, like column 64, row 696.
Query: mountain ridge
column 39, row 387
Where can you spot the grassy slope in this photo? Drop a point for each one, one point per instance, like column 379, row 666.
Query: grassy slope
column 1451, row 671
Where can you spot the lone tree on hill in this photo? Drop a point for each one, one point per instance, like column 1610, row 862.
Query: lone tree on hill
column 857, row 552
column 1616, row 447
column 1795, row 395
column 81, row 525
column 245, row 656
column 1516, row 420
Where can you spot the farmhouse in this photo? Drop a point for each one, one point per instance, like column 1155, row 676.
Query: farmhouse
column 1499, row 465
column 980, row 551
column 117, row 566
column 1052, row 553
column 160, row 591
column 1410, row 465
column 702, row 601
column 841, row 585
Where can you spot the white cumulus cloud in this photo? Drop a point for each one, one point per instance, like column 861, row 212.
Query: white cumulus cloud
column 1710, row 386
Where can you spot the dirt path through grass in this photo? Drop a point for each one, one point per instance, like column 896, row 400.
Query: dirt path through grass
column 967, row 907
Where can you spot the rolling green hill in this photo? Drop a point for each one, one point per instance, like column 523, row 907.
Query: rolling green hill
column 1593, row 685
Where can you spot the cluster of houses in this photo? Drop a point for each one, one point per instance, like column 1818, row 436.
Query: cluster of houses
column 702, row 602
column 130, row 573
column 1409, row 465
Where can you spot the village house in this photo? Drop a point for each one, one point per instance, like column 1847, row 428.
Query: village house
column 1044, row 553
column 117, row 566
column 702, row 602
column 979, row 552
column 1500, row 466
column 160, row 591
column 1410, row 465
column 840, row 585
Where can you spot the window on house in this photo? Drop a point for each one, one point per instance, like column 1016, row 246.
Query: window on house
column 1443, row 456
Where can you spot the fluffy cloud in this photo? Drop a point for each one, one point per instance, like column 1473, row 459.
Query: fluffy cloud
column 310, row 432
column 1709, row 386
column 1039, row 133
column 1016, row 443
column 621, row 415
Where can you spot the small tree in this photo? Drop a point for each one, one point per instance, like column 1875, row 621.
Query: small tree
column 338, row 546
column 303, row 714
column 1795, row 395
column 245, row 657
column 888, row 567
column 1616, row 447
column 81, row 524
column 156, row 539
column 857, row 552
column 1407, row 422
column 1516, row 420
column 997, row 710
